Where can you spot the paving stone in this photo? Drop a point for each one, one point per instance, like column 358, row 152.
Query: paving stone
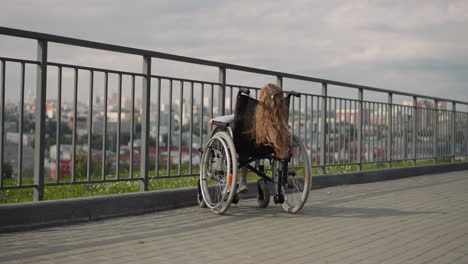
column 413, row 220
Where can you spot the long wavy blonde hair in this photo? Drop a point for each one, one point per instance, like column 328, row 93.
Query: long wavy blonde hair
column 270, row 123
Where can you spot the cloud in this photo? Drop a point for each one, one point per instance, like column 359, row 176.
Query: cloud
column 351, row 41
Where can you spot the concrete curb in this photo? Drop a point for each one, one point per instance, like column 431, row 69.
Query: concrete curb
column 18, row 217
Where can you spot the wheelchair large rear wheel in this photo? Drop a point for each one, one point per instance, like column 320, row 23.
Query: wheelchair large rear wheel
column 296, row 189
column 218, row 176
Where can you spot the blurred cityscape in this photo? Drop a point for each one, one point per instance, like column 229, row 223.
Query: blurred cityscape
column 341, row 132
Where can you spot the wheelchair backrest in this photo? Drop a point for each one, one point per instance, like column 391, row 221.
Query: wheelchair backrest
column 243, row 120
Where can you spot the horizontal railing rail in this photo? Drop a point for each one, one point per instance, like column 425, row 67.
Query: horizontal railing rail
column 159, row 136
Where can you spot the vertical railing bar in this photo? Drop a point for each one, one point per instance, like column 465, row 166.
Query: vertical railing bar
column 380, row 131
column 299, row 118
column 306, row 113
column 181, row 120
column 119, row 126
column 104, row 128
column 59, row 125
column 158, row 127
column 2, row 121
column 346, row 132
column 323, row 122
column 353, row 133
column 230, row 98
column 374, row 142
column 21, row 117
column 466, row 135
column 414, row 123
column 367, row 108
column 211, row 106
column 145, row 123
column 369, row 139
column 361, row 115
column 334, row 132
column 454, row 109
column 328, row 157
column 445, row 133
column 341, row 131
column 457, row 136
column 392, row 135
column 398, row 131
column 417, row 129
column 408, row 124
column 191, row 128
column 132, row 125
column 169, row 131
column 312, row 130
column 366, row 143
column 39, row 137
column 403, row 133
column 323, row 131
column 75, row 113
column 202, row 119
column 292, row 98
column 90, row 124
column 377, row 132
column 319, row 140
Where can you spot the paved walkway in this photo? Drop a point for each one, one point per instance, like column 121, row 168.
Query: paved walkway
column 414, row 220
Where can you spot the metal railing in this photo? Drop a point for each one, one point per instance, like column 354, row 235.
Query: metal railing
column 336, row 131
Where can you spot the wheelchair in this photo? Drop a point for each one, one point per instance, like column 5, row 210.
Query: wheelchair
column 230, row 148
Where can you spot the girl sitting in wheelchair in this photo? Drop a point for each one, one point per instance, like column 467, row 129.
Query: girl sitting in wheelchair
column 258, row 130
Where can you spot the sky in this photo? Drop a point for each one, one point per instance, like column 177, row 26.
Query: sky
column 403, row 45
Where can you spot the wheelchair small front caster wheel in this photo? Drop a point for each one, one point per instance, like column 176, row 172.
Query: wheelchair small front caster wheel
column 278, row 198
column 235, row 200
column 263, row 194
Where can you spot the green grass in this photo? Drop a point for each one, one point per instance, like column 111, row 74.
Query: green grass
column 86, row 190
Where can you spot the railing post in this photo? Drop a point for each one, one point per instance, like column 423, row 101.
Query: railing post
column 389, row 129
column 466, row 136
column 279, row 82
column 415, row 132
column 454, row 126
column 360, row 122
column 39, row 137
column 435, row 130
column 222, row 91
column 323, row 124
column 145, row 123
column 2, row 120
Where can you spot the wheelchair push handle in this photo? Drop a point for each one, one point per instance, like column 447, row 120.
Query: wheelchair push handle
column 293, row 93
column 244, row 91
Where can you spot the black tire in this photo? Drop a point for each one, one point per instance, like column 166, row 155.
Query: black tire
column 263, row 194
